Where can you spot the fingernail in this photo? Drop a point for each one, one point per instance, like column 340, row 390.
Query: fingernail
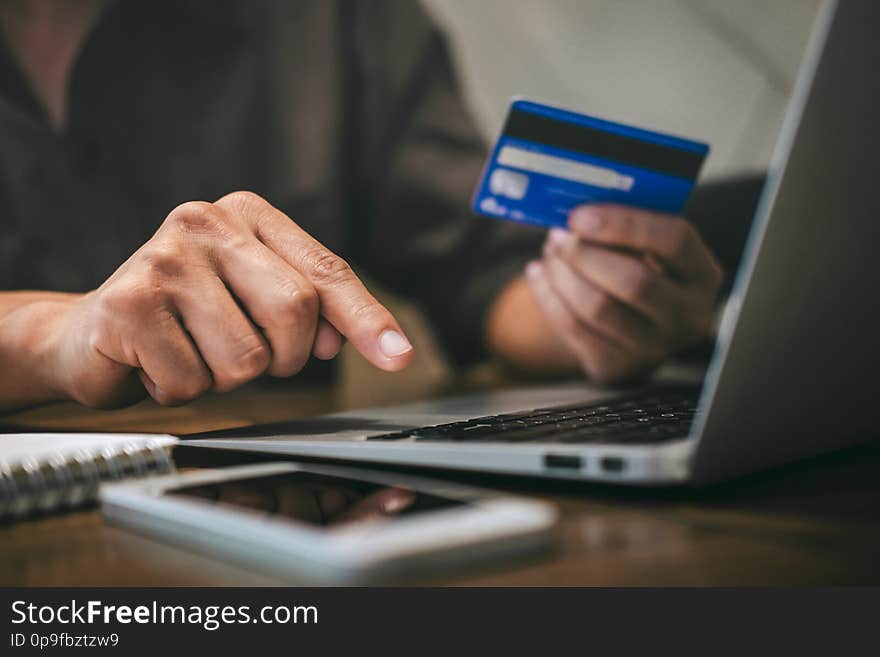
column 533, row 269
column 393, row 344
column 556, row 238
column 586, row 220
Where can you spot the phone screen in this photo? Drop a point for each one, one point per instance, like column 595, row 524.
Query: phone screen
column 318, row 499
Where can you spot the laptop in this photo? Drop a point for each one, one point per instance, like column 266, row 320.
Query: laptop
column 794, row 372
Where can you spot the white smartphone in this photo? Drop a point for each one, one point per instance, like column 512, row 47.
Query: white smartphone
column 329, row 524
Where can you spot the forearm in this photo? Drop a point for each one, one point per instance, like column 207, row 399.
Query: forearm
column 13, row 300
column 27, row 341
column 519, row 333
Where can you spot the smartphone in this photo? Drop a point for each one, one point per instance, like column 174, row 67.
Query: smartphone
column 329, row 524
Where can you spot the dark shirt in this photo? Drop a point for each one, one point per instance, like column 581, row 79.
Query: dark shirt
column 346, row 115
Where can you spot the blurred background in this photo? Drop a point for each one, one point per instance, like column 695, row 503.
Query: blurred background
column 713, row 70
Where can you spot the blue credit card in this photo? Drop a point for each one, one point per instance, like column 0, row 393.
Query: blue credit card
column 549, row 160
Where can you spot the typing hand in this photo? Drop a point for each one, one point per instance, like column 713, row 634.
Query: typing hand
column 625, row 288
column 222, row 293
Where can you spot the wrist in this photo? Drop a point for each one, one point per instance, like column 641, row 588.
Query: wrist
column 49, row 318
column 520, row 335
column 31, row 339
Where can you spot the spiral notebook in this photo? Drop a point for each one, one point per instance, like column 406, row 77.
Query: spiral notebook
column 47, row 472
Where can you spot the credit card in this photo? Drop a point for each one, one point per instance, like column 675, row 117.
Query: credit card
column 549, row 160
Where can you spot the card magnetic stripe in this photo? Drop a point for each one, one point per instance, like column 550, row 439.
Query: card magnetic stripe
column 608, row 141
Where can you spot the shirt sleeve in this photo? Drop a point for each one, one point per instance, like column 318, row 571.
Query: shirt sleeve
column 722, row 212
column 418, row 159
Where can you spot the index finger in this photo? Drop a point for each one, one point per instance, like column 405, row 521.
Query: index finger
column 344, row 300
column 669, row 237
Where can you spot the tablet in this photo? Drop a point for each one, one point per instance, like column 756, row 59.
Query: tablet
column 329, row 524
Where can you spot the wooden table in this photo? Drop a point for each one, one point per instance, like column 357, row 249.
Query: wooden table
column 816, row 522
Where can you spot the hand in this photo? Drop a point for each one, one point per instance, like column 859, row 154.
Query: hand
column 625, row 288
column 222, row 293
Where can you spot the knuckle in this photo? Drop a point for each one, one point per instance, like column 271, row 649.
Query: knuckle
column 163, row 261
column 289, row 366
column 189, row 387
column 251, row 361
column 173, row 397
column 230, row 241
column 640, row 282
column 165, row 397
column 295, row 305
column 148, row 297
column 110, row 302
column 242, row 198
column 131, row 298
column 196, row 217
column 254, row 210
column 286, row 369
column 327, row 267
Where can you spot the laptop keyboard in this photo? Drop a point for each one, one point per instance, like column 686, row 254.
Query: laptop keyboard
column 650, row 417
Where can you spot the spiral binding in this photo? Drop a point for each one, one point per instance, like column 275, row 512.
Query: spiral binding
column 60, row 483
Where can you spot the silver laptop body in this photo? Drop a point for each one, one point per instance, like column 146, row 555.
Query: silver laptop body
column 795, row 368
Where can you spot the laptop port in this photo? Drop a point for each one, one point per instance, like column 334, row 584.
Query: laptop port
column 613, row 464
column 563, row 461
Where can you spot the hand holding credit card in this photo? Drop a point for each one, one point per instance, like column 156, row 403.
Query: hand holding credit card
column 630, row 282
column 549, row 160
